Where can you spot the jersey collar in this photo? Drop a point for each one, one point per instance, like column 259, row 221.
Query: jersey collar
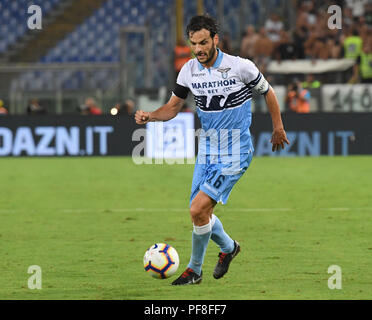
column 216, row 63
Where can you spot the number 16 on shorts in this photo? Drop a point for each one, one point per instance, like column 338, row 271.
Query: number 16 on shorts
column 216, row 180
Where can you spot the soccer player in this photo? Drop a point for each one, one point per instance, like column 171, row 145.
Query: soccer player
column 222, row 87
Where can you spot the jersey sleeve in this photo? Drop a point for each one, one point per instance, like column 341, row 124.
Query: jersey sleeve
column 251, row 76
column 181, row 88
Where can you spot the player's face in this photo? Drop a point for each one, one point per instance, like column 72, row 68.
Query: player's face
column 203, row 46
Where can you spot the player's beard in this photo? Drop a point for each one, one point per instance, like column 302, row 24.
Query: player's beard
column 210, row 56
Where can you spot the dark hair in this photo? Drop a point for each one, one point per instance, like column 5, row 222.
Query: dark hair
column 202, row 22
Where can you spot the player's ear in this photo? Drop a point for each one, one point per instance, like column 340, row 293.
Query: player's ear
column 216, row 40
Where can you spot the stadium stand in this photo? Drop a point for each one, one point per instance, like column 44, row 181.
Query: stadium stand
column 95, row 38
column 13, row 17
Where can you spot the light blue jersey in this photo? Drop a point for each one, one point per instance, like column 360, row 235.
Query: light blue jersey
column 223, row 96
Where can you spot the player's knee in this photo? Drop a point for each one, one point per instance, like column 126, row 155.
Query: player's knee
column 199, row 215
column 195, row 212
column 201, row 209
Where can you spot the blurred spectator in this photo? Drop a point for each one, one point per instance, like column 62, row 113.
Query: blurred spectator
column 299, row 38
column 310, row 82
column 35, row 108
column 298, row 98
column 247, row 46
column 346, row 32
column 123, row 109
column 364, row 31
column 263, row 50
column 347, row 17
column 322, row 23
column 182, row 54
column 312, row 18
column 273, row 26
column 352, row 44
column 90, row 107
column 315, row 44
column 225, row 43
column 3, row 110
column 357, row 7
column 363, row 67
column 332, row 50
column 302, row 22
column 311, row 38
column 286, row 49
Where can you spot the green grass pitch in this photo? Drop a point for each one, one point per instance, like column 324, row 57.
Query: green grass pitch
column 88, row 221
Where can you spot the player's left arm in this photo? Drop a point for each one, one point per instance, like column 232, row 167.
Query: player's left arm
column 279, row 136
column 250, row 75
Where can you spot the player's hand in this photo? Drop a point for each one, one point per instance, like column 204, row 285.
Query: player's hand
column 142, row 117
column 278, row 138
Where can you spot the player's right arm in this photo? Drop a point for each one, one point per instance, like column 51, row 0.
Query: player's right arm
column 164, row 113
column 173, row 106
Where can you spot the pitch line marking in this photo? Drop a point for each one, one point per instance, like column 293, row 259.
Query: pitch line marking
column 340, row 209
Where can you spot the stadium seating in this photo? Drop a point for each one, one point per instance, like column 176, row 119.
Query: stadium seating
column 97, row 38
column 13, row 17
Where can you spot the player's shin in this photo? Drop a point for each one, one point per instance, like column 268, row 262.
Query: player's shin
column 200, row 239
column 220, row 237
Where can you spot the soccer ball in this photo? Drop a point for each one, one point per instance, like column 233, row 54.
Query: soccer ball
column 161, row 261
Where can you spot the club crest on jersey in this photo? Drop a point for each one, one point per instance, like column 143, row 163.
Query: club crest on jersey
column 224, row 72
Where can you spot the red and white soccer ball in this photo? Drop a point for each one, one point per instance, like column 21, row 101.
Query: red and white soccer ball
column 161, row 261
